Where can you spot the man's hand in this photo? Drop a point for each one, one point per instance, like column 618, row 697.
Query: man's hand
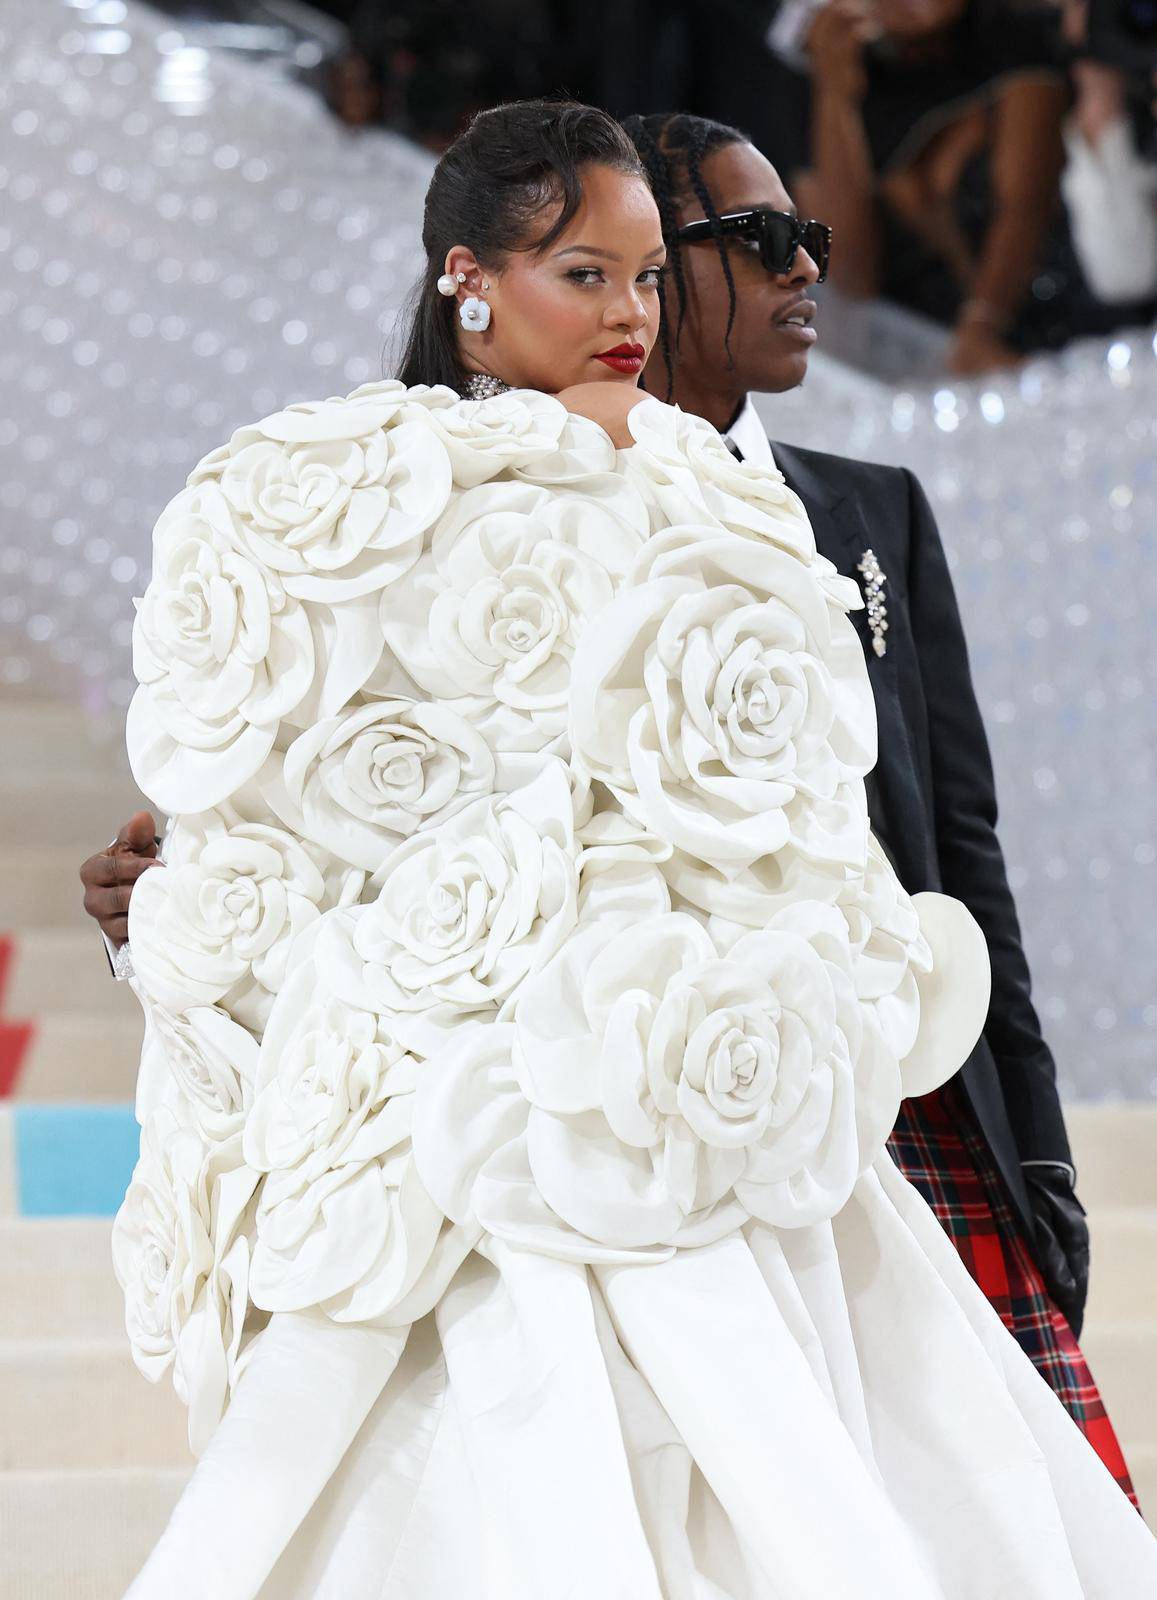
column 835, row 47
column 1062, row 1237
column 109, row 877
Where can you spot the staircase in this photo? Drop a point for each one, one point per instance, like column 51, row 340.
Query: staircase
column 1115, row 1149
column 92, row 1457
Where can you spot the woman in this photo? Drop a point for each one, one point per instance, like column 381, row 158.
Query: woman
column 529, row 1004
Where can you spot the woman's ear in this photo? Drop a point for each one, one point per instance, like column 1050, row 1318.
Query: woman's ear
column 461, row 263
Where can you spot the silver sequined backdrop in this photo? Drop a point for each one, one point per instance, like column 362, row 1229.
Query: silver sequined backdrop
column 185, row 244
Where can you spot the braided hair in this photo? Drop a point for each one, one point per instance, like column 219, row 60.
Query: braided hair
column 673, row 146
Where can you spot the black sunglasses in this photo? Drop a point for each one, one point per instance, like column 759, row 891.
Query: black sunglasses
column 778, row 234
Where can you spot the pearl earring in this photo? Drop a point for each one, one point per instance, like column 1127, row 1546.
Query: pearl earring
column 449, row 281
column 475, row 314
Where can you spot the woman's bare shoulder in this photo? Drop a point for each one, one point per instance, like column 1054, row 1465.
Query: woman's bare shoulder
column 608, row 404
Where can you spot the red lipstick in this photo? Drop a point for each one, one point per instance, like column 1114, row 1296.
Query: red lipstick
column 624, row 358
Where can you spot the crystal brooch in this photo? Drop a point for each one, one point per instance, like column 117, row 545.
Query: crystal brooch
column 874, row 581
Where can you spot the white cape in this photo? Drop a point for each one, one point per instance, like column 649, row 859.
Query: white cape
column 528, row 1009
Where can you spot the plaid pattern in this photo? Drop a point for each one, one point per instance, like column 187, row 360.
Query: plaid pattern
column 938, row 1149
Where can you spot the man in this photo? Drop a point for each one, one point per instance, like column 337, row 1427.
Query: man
column 990, row 1153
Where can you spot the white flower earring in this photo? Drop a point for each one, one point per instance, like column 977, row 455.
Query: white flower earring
column 475, row 314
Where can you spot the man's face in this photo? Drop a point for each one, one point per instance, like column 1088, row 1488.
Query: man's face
column 771, row 355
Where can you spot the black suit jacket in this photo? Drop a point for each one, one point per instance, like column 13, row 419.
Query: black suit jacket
column 933, row 798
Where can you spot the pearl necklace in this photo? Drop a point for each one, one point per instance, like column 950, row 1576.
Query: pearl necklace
column 482, row 386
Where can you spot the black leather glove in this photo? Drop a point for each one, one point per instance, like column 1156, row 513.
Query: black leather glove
column 1062, row 1238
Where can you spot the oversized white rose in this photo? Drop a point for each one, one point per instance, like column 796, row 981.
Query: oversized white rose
column 201, row 1064
column 343, row 1222
column 689, row 476
column 890, row 952
column 181, row 1255
column 676, row 1087
column 218, row 922
column 221, row 652
column 335, row 496
column 429, row 396
column 491, row 615
column 586, row 462
column 835, row 841
column 710, row 710
column 467, row 910
column 360, row 782
column 508, row 431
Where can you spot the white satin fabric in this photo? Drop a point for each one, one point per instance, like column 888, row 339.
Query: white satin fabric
column 528, row 1007
column 832, row 1410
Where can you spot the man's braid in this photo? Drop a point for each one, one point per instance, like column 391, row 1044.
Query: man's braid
column 673, row 146
column 697, row 148
column 659, row 175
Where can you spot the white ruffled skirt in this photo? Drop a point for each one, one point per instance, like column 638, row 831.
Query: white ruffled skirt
column 828, row 1413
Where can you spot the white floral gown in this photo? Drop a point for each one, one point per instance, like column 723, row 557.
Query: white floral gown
column 528, row 1007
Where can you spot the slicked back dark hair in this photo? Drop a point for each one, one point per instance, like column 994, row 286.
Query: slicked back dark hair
column 488, row 191
column 673, row 146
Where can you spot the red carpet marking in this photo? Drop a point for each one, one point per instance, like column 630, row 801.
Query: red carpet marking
column 15, row 1037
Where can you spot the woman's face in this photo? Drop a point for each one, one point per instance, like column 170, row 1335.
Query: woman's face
column 593, row 291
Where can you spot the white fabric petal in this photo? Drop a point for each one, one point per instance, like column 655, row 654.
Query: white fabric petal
column 954, row 995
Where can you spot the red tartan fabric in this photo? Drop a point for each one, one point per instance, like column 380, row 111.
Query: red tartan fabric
column 937, row 1148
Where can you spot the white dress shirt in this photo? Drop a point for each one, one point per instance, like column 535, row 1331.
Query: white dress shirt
column 747, row 433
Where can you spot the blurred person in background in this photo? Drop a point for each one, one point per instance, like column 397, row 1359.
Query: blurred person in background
column 924, row 114
column 936, row 143
column 425, row 67
column 1110, row 181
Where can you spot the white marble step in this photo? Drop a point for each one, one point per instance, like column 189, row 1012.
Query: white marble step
column 1124, row 1264
column 1143, row 1466
column 81, row 1535
column 75, row 814
column 1115, row 1149
column 1122, row 1356
column 65, row 789
column 57, row 971
column 58, row 738
column 57, row 1281
column 86, row 1056
column 82, row 1403
column 41, row 885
